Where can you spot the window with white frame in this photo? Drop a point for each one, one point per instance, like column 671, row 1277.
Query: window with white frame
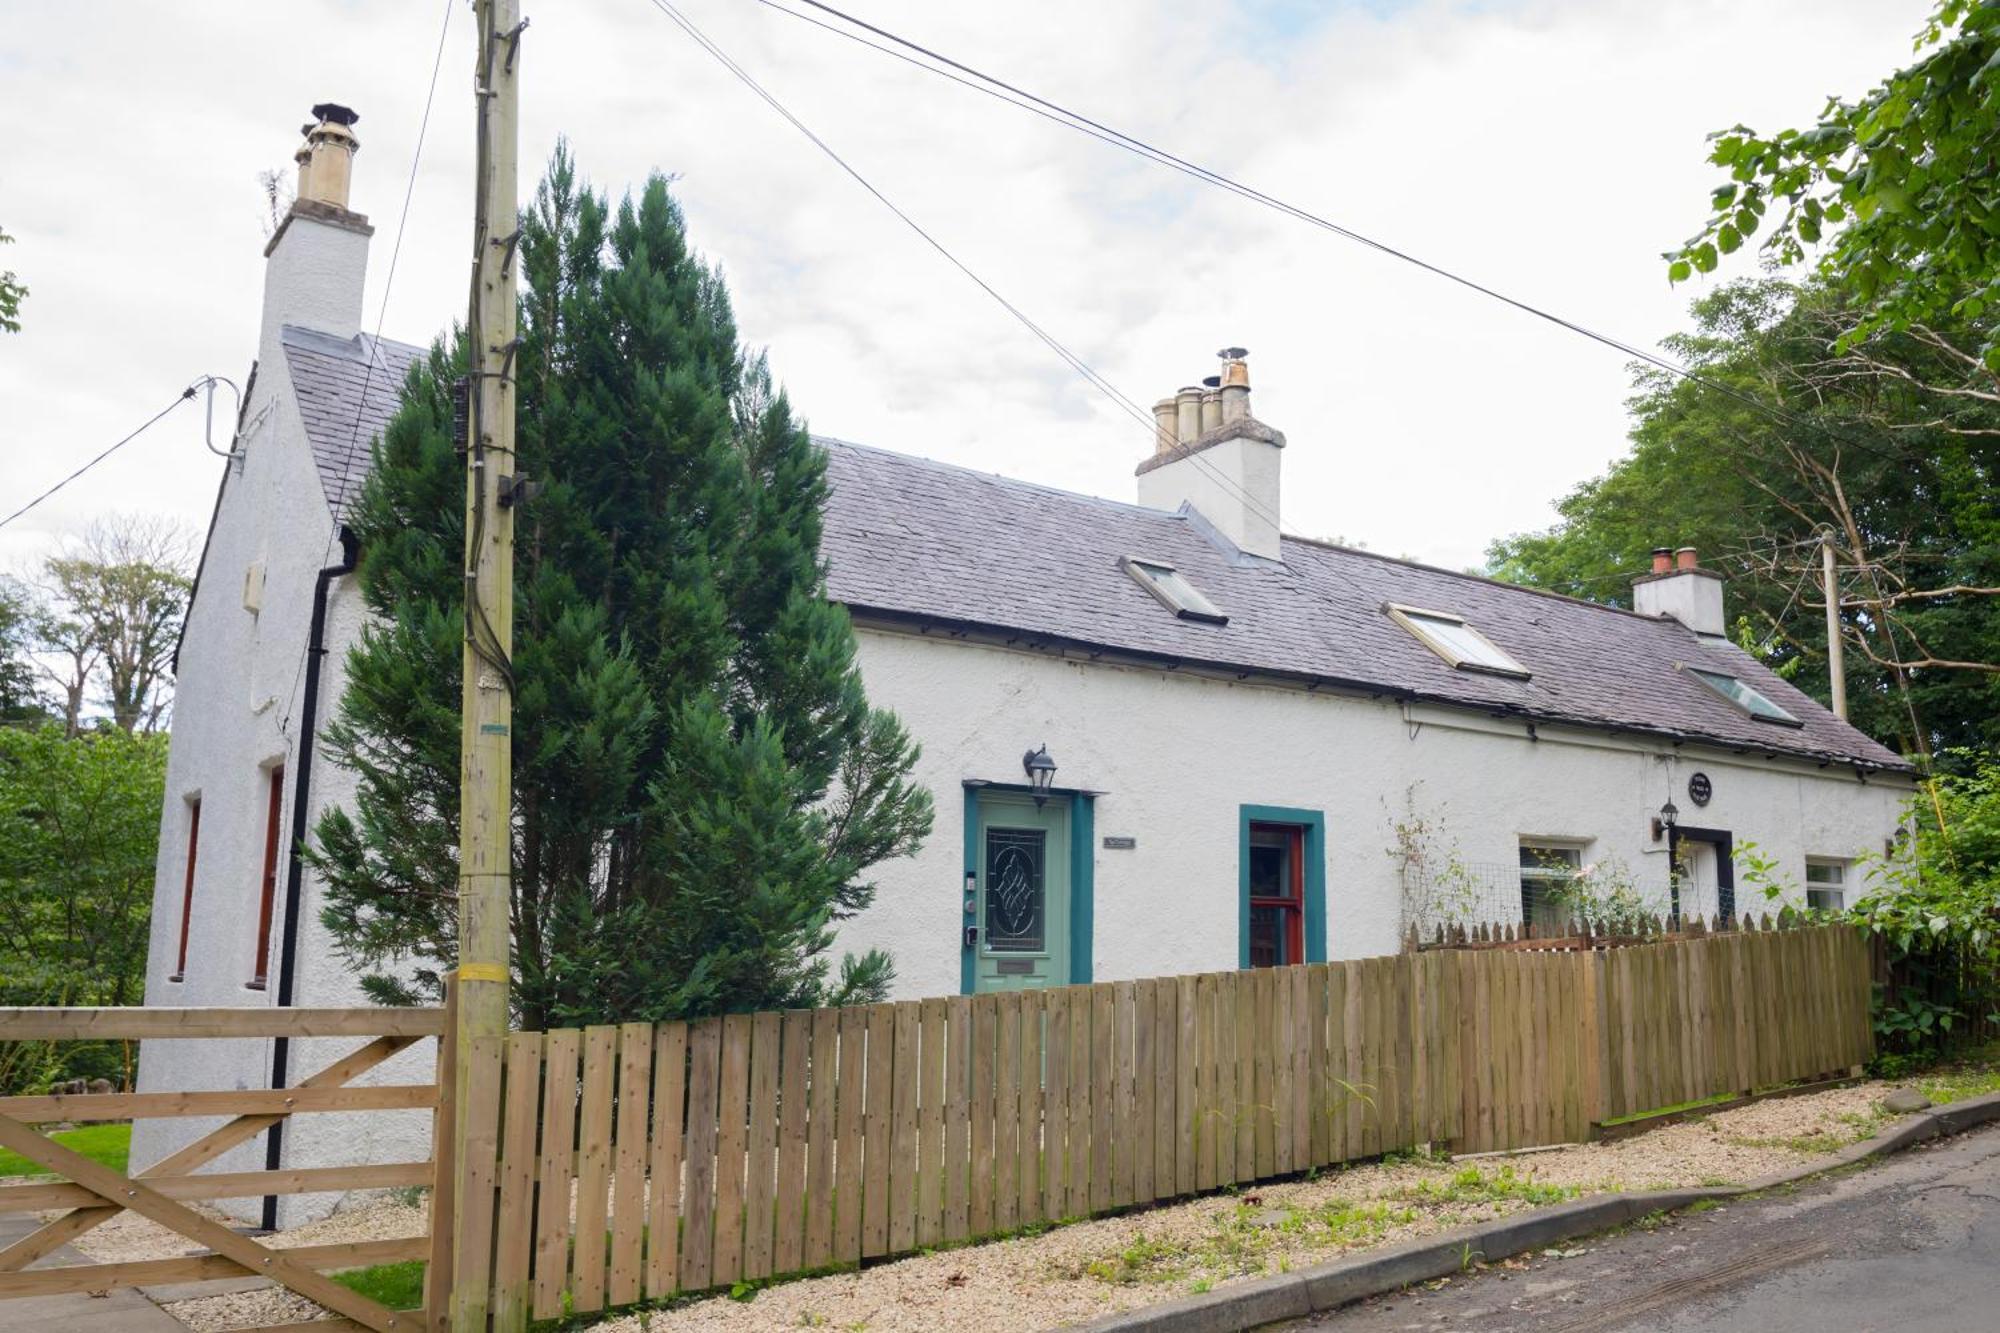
column 1456, row 641
column 1826, row 883
column 1172, row 590
column 1547, row 870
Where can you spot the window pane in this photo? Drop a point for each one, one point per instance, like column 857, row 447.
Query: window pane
column 1826, row 872
column 1464, row 642
column 1826, row 900
column 1271, row 874
column 1186, row 600
column 1016, row 890
column 1267, row 937
column 1545, row 872
column 1744, row 697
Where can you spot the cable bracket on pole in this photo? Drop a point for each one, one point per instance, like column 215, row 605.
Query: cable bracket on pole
column 510, row 242
column 513, row 39
column 506, row 351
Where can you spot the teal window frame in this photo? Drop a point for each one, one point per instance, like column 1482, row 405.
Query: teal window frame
column 1082, row 878
column 1314, row 926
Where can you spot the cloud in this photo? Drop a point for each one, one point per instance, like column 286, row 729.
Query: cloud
column 1549, row 147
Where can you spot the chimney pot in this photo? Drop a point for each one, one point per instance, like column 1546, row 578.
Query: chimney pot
column 1684, row 558
column 1663, row 559
column 1165, row 418
column 1211, row 404
column 1235, row 383
column 330, row 146
column 1187, row 405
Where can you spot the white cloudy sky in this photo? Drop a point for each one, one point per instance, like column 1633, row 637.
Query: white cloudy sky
column 1550, row 147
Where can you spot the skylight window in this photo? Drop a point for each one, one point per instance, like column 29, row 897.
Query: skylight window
column 1456, row 642
column 1173, row 590
column 1745, row 698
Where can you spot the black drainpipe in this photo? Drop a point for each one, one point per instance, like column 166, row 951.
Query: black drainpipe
column 288, row 949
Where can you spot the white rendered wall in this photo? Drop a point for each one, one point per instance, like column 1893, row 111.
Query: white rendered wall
column 238, row 702
column 1176, row 756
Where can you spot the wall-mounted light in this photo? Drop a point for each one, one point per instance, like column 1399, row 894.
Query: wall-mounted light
column 1041, row 771
column 1663, row 823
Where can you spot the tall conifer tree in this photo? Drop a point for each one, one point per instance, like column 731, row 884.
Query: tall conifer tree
column 700, row 784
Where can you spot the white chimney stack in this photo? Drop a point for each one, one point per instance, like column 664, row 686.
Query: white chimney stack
column 1680, row 588
column 317, row 260
column 1213, row 457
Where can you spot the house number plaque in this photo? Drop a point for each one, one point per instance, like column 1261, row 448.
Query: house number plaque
column 1116, row 843
column 1700, row 788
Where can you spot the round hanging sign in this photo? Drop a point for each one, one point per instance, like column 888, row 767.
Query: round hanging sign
column 1700, row 788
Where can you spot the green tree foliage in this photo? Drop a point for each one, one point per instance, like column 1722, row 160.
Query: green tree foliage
column 1892, row 456
column 1901, row 185
column 112, row 617
column 79, row 819
column 700, row 784
column 1937, row 909
column 12, row 293
column 18, row 698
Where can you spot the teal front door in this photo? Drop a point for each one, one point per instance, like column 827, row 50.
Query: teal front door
column 1023, row 892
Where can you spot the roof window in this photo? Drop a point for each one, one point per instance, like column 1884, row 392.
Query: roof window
column 1455, row 641
column 1172, row 590
column 1745, row 698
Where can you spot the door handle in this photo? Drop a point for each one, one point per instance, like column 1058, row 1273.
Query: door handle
column 971, row 937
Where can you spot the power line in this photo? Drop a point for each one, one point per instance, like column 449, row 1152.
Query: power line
column 184, row 396
column 1070, row 358
column 374, row 348
column 1001, row 90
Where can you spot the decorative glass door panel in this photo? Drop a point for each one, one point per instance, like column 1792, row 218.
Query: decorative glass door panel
column 1023, row 893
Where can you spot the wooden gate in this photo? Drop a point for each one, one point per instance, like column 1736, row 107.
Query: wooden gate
column 94, row 1193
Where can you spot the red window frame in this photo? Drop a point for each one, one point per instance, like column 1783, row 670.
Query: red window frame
column 1292, row 909
column 267, row 900
column 187, row 889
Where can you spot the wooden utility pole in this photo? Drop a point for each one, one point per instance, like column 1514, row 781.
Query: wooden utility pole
column 486, row 777
column 1836, row 651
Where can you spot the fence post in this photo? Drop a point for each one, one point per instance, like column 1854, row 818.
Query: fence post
column 444, row 1179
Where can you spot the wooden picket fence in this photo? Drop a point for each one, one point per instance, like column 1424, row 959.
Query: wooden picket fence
column 636, row 1161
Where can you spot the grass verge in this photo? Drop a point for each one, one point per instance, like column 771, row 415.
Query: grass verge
column 107, row 1145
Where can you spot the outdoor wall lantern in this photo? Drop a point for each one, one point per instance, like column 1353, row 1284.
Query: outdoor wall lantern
column 1041, row 772
column 1663, row 823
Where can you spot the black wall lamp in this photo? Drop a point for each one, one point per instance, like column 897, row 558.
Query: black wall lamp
column 1041, row 771
column 1663, row 823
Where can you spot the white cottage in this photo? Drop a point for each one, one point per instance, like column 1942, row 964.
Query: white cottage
column 1162, row 736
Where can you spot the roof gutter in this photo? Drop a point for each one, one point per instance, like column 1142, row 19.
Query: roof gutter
column 288, row 952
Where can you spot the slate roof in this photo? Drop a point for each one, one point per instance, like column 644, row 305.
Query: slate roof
column 347, row 389
column 914, row 539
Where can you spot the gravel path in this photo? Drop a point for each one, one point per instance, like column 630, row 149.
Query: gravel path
column 1078, row 1272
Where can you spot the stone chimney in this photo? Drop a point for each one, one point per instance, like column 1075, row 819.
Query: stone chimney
column 317, row 261
column 1214, row 457
column 1679, row 587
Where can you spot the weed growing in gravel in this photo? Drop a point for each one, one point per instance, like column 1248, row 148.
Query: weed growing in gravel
column 1471, row 1185
column 1974, row 1078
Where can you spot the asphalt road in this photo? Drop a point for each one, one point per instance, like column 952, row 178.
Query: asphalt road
column 1908, row 1246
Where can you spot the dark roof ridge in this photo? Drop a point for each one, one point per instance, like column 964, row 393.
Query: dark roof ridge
column 302, row 336
column 1044, row 487
column 1487, row 579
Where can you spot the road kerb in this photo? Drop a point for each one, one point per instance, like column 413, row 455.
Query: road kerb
column 1329, row 1286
